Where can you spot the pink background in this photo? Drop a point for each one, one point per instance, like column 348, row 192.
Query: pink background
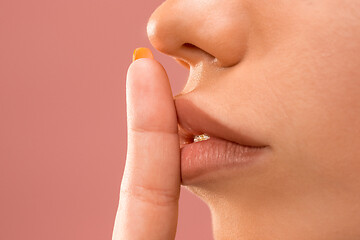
column 62, row 117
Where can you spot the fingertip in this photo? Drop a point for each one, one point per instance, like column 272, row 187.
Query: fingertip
column 146, row 67
column 149, row 96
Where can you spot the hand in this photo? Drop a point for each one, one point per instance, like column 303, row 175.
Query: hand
column 150, row 188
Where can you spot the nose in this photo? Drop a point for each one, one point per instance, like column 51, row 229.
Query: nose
column 200, row 31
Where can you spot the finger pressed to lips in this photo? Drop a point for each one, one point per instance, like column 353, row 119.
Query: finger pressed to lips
column 151, row 182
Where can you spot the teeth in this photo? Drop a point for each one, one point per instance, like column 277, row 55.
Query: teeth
column 202, row 137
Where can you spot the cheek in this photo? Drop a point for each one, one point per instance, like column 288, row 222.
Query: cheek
column 311, row 104
column 306, row 82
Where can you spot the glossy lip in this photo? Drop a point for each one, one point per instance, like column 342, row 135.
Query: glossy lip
column 224, row 149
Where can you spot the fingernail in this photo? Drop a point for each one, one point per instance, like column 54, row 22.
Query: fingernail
column 142, row 53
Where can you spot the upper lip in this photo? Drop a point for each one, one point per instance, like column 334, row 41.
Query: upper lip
column 194, row 121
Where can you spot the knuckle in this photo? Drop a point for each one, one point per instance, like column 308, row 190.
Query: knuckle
column 151, row 195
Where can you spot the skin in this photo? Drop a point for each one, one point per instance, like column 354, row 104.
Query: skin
column 288, row 72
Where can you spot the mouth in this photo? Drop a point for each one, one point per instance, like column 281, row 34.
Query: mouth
column 207, row 146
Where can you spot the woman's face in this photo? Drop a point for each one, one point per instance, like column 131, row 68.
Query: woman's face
column 286, row 73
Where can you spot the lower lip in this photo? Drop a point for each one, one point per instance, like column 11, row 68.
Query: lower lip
column 201, row 158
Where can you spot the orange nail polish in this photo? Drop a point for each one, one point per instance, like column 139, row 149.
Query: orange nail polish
column 142, row 53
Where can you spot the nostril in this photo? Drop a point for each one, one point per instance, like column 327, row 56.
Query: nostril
column 196, row 53
column 189, row 45
column 192, row 47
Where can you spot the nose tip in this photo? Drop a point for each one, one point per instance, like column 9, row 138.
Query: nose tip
column 169, row 32
column 193, row 33
column 158, row 34
column 164, row 28
column 165, row 33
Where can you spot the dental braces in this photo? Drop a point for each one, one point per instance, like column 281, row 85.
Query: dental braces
column 202, row 137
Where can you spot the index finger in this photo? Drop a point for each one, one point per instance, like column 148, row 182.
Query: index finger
column 150, row 188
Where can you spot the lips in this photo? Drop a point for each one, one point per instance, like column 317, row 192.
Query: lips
column 224, row 148
column 195, row 121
